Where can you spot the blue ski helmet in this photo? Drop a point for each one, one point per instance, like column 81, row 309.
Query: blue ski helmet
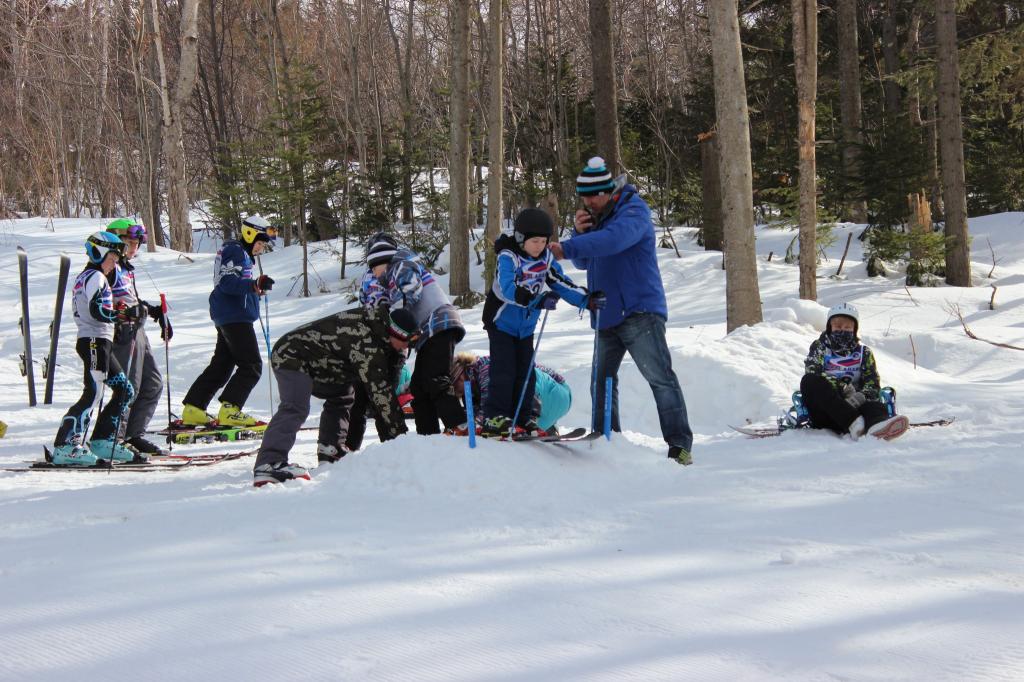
column 99, row 244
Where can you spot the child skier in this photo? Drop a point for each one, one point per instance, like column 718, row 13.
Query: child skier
column 95, row 315
column 131, row 345
column 412, row 286
column 841, row 387
column 234, row 306
column 527, row 279
column 552, row 395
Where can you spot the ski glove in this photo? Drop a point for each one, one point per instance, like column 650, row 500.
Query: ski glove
column 596, row 300
column 166, row 331
column 264, row 283
column 547, row 301
column 155, row 312
column 854, row 397
column 523, row 296
column 130, row 313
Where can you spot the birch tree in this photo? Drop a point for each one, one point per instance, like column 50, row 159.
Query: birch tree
column 174, row 102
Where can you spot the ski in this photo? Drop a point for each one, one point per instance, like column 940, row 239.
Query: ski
column 100, row 467
column 772, row 431
column 23, row 324
column 50, row 361
column 187, row 435
column 205, row 457
column 577, row 434
column 154, row 463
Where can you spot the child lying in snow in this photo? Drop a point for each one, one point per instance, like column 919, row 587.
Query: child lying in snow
column 841, row 387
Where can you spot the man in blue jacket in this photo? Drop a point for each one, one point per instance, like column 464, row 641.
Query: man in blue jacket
column 234, row 306
column 614, row 242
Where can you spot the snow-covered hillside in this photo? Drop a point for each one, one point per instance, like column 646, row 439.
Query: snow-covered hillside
column 804, row 557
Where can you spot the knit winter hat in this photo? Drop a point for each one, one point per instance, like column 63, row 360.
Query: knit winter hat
column 402, row 325
column 382, row 250
column 594, row 179
column 532, row 222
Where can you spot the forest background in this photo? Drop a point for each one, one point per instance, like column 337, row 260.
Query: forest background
column 339, row 118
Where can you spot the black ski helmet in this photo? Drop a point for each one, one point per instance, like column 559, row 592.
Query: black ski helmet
column 532, row 222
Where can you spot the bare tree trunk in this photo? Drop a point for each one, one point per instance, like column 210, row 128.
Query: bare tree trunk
column 711, row 192
column 458, row 164
column 935, row 191
column 850, row 102
column 174, row 106
column 805, row 54
column 951, row 145
column 495, row 136
column 148, row 117
column 602, row 55
column 742, row 296
column 890, row 57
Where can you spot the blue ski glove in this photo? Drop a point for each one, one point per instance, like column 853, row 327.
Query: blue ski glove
column 547, row 301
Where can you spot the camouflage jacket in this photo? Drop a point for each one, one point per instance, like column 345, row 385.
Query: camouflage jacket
column 857, row 367
column 350, row 347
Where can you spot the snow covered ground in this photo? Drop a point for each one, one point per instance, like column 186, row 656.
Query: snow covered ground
column 805, row 557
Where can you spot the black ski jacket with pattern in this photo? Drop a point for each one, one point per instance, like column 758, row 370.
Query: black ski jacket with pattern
column 350, row 347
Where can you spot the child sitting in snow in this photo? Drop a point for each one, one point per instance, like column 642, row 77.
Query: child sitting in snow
column 840, row 387
column 552, row 395
column 528, row 279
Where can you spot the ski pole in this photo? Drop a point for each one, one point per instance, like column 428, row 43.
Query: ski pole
column 470, row 418
column 526, row 380
column 266, row 337
column 167, row 365
column 593, row 381
column 608, row 408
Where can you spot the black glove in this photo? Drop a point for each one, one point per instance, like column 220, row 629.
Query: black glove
column 596, row 300
column 155, row 312
column 524, row 296
column 852, row 396
column 547, row 301
column 130, row 313
column 264, row 283
column 166, row 331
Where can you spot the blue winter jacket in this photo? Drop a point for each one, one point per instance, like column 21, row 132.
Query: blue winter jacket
column 520, row 283
column 233, row 298
column 620, row 257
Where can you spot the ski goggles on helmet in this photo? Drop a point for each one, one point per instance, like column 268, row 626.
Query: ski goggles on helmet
column 98, row 245
column 136, row 232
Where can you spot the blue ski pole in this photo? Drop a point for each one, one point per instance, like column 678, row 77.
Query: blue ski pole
column 266, row 340
column 470, row 419
column 593, row 383
column 608, row 408
column 526, row 379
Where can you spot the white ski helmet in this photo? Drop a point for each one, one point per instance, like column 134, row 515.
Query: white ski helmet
column 256, row 227
column 846, row 310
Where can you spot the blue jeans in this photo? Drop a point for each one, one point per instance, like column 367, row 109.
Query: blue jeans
column 643, row 336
